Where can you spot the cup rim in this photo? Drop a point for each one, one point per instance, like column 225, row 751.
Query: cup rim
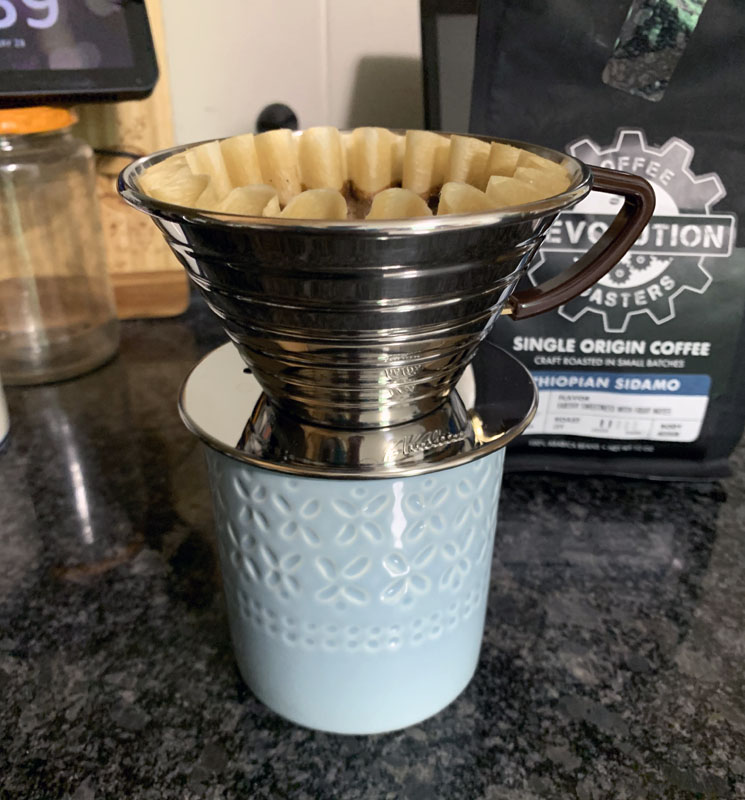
column 580, row 187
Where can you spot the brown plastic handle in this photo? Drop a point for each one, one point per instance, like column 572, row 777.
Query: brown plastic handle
column 625, row 229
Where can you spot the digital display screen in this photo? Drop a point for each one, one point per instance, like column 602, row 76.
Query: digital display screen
column 63, row 35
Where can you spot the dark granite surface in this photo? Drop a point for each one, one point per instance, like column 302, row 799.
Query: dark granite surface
column 613, row 664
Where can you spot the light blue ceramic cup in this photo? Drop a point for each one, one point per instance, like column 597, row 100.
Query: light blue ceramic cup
column 356, row 606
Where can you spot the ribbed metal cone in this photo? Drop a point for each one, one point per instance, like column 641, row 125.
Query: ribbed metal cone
column 353, row 326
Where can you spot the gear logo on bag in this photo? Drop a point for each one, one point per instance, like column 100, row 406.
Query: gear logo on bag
column 674, row 253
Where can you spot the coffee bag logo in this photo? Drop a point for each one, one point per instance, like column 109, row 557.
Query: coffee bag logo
column 673, row 254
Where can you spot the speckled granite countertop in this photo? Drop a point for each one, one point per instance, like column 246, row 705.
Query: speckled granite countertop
column 612, row 664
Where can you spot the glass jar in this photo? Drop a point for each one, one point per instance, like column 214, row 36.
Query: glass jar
column 57, row 313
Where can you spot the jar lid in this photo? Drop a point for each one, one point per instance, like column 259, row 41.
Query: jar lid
column 222, row 403
column 36, row 119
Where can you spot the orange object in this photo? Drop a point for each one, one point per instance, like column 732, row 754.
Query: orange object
column 37, row 119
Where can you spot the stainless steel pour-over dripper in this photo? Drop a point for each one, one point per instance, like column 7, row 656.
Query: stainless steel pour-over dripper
column 353, row 329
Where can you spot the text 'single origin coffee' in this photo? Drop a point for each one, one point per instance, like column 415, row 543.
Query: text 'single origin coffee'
column 642, row 373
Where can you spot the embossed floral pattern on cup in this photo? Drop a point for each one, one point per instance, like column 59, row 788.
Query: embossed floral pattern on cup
column 363, row 556
column 341, row 581
column 360, row 516
column 409, row 576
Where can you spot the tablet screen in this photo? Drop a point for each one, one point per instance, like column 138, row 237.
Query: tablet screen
column 63, row 34
column 75, row 48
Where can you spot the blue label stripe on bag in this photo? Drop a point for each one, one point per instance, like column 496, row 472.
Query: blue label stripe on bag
column 626, row 383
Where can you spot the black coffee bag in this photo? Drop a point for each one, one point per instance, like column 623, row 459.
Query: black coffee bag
column 643, row 374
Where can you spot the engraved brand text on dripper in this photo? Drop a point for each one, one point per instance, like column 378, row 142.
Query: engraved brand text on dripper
column 422, row 442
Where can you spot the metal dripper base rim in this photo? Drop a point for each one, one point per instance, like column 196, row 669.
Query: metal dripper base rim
column 224, row 406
